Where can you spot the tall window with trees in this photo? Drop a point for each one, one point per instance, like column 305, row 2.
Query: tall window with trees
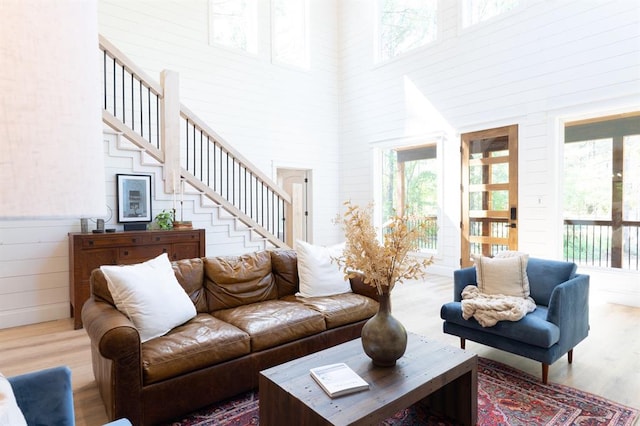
column 410, row 186
column 289, row 32
column 234, row 24
column 404, row 25
column 476, row 11
column 602, row 192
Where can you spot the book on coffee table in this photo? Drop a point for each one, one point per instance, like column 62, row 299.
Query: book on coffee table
column 338, row 379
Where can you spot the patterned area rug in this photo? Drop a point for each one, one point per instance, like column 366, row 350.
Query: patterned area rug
column 506, row 396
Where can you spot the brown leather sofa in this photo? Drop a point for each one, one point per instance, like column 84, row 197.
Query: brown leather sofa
column 247, row 320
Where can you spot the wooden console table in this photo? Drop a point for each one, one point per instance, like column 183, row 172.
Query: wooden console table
column 88, row 251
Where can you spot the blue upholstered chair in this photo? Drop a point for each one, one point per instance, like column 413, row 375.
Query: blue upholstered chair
column 559, row 322
column 45, row 397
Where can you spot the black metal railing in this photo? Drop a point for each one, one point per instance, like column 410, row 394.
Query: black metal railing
column 594, row 243
column 130, row 99
column 133, row 104
column 428, row 240
column 228, row 175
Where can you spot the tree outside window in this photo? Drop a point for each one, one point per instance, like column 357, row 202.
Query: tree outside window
column 602, row 192
column 234, row 24
column 289, row 32
column 475, row 11
column 410, row 186
column 404, row 25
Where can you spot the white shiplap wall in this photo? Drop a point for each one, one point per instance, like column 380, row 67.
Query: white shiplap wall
column 542, row 63
column 275, row 116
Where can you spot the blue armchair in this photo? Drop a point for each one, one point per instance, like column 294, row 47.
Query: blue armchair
column 559, row 322
column 45, row 397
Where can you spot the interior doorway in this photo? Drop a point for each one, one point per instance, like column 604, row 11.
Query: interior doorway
column 489, row 192
column 297, row 183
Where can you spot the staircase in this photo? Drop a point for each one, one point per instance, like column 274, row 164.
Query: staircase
column 150, row 117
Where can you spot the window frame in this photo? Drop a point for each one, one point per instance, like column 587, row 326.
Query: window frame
column 377, row 39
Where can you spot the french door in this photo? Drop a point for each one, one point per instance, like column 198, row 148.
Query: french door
column 489, row 192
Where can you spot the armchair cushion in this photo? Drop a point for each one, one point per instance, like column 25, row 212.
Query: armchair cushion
column 506, row 276
column 533, row 329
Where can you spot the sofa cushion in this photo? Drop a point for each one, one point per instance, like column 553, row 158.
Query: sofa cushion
column 533, row 329
column 202, row 342
column 284, row 264
column 232, row 281
column 99, row 287
column 319, row 274
column 545, row 275
column 10, row 413
column 506, row 276
column 340, row 309
column 273, row 322
column 150, row 295
column 190, row 275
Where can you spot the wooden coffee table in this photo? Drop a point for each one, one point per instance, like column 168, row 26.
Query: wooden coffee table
column 430, row 372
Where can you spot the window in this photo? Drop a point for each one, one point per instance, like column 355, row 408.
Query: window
column 234, row 24
column 410, row 186
column 289, row 32
column 404, row 25
column 601, row 193
column 475, row 11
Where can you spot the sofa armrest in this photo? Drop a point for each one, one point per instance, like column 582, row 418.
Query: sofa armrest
column 116, row 357
column 569, row 310
column 110, row 330
column 45, row 396
column 461, row 279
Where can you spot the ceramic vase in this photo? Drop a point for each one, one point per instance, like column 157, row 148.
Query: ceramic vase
column 384, row 338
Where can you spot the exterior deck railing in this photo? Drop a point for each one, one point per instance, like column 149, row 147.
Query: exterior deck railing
column 597, row 243
column 429, row 239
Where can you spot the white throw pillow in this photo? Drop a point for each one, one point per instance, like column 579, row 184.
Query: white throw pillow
column 503, row 275
column 150, row 295
column 319, row 276
column 10, row 413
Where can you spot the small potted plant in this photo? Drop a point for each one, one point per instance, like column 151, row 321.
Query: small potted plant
column 164, row 220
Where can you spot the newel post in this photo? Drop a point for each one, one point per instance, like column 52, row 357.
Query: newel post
column 170, row 139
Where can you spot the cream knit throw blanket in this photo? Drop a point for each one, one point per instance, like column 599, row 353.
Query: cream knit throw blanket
column 488, row 309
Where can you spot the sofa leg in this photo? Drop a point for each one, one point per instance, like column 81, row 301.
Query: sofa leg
column 462, row 342
column 570, row 355
column 545, row 373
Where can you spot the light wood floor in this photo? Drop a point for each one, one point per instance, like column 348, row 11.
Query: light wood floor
column 607, row 363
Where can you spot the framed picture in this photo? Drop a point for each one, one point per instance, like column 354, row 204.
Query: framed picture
column 134, row 198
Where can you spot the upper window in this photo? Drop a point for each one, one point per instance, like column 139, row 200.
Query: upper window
column 475, row 11
column 289, row 32
column 234, row 24
column 404, row 25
